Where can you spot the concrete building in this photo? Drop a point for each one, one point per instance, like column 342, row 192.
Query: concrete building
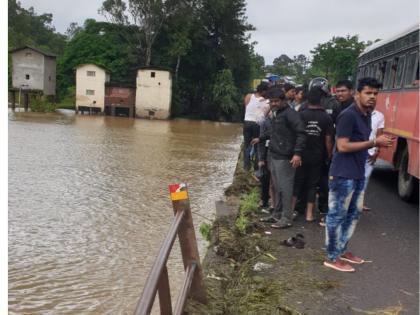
column 153, row 93
column 120, row 100
column 90, row 86
column 33, row 69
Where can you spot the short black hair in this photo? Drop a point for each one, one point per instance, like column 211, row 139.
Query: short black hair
column 287, row 87
column 263, row 86
column 298, row 89
column 315, row 95
column 275, row 92
column 346, row 83
column 368, row 81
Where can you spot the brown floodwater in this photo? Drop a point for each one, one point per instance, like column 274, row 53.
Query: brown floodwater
column 89, row 204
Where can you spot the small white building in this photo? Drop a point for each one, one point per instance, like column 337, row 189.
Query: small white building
column 90, row 86
column 153, row 93
column 33, row 69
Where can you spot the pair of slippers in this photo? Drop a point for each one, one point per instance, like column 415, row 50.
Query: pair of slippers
column 294, row 241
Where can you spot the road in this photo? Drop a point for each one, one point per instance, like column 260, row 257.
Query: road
column 388, row 236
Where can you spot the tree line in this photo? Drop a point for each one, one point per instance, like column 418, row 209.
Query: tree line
column 204, row 43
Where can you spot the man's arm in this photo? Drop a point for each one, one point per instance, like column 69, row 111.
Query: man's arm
column 345, row 146
column 329, row 145
column 298, row 127
column 247, row 99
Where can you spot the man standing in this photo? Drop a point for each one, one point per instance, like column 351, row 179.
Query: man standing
column 287, row 141
column 319, row 131
column 256, row 108
column 378, row 124
column 347, row 174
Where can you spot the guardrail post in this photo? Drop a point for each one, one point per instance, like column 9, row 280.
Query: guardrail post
column 187, row 240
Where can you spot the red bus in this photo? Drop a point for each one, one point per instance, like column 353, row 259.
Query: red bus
column 395, row 63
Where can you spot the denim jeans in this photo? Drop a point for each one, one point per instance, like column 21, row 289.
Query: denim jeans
column 251, row 130
column 345, row 202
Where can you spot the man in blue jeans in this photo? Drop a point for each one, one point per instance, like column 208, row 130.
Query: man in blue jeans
column 347, row 174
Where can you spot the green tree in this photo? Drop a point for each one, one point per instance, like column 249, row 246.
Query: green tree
column 337, row 58
column 25, row 27
column 224, row 96
column 147, row 15
column 282, row 65
column 103, row 44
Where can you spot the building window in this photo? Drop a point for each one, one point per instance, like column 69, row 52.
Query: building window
column 90, row 73
column 152, row 74
column 49, row 78
column 90, row 92
column 28, row 54
column 27, row 76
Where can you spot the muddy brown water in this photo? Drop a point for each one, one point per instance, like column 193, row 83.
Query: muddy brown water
column 89, row 204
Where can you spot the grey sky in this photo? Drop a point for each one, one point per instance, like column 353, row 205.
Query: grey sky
column 283, row 27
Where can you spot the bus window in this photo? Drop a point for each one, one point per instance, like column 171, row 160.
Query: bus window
column 388, row 74
column 376, row 73
column 382, row 67
column 400, row 70
column 416, row 81
column 410, row 67
column 393, row 80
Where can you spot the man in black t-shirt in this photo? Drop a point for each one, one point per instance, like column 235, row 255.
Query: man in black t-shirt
column 319, row 131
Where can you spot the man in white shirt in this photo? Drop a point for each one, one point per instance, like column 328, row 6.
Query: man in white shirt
column 378, row 124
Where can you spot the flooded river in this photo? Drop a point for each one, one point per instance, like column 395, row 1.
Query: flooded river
column 89, row 204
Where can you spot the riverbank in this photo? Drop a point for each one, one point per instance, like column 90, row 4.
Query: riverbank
column 248, row 271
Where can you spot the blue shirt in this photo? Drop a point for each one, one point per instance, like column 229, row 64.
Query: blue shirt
column 352, row 124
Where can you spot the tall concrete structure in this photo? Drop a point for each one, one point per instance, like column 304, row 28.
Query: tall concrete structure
column 33, row 69
column 153, row 93
column 90, row 86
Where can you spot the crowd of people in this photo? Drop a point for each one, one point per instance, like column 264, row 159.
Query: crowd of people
column 310, row 149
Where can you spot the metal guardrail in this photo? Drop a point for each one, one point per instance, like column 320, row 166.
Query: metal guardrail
column 158, row 280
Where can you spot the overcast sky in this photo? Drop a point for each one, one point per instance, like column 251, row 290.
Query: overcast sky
column 282, row 27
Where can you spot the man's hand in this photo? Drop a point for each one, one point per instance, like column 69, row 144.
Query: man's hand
column 384, row 141
column 372, row 158
column 296, row 161
column 261, row 163
column 255, row 141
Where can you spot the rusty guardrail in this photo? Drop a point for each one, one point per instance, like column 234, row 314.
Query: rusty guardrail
column 158, row 280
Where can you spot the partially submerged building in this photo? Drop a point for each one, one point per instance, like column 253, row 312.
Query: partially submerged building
column 90, row 87
column 153, row 93
column 120, row 100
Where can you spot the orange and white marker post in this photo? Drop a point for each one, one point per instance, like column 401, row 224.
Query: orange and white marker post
column 187, row 239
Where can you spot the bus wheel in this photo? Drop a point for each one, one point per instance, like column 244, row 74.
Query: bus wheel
column 407, row 184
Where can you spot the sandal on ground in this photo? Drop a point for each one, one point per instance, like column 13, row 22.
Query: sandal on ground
column 366, row 208
column 290, row 242
column 281, row 225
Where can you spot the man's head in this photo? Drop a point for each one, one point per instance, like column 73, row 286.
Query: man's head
column 262, row 88
column 367, row 93
column 299, row 94
column 344, row 90
column 276, row 97
column 289, row 91
column 315, row 95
